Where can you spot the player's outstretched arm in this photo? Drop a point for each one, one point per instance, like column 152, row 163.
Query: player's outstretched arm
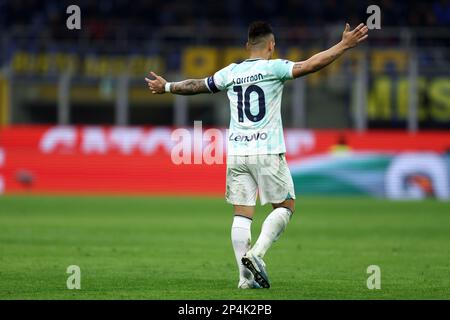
column 349, row 40
column 187, row 87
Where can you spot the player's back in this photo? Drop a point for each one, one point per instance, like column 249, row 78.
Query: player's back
column 254, row 88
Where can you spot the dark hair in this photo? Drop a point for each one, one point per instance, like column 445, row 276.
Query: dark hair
column 258, row 29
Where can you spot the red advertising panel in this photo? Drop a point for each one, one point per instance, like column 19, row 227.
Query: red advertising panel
column 143, row 160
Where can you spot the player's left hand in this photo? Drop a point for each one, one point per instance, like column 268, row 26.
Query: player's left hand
column 352, row 38
column 156, row 86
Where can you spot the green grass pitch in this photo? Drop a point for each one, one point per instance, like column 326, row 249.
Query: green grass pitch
column 179, row 248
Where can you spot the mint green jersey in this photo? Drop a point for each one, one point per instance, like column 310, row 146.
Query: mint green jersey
column 255, row 89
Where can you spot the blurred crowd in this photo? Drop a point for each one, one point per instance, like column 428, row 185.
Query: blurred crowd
column 100, row 15
column 152, row 26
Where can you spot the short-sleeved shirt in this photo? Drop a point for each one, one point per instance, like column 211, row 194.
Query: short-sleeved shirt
column 254, row 88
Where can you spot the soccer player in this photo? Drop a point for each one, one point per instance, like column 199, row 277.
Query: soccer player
column 256, row 162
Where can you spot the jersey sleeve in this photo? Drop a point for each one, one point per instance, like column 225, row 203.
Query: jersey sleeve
column 283, row 69
column 220, row 80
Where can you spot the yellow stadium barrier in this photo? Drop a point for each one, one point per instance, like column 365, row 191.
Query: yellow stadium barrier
column 4, row 100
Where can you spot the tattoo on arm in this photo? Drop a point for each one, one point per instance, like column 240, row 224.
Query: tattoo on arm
column 299, row 69
column 189, row 87
column 297, row 66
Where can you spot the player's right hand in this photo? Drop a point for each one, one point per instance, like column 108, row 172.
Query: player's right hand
column 351, row 38
column 156, row 86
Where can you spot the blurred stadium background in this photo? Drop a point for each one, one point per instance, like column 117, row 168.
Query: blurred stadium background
column 74, row 109
column 76, row 118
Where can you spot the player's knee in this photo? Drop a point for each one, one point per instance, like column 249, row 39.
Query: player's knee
column 288, row 204
column 292, row 206
column 246, row 211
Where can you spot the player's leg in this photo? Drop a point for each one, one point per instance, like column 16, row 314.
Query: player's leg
column 273, row 226
column 241, row 192
column 241, row 240
column 271, row 230
column 276, row 187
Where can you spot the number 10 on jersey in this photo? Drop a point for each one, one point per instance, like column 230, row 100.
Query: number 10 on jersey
column 243, row 103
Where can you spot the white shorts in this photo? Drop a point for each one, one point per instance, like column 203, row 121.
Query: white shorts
column 267, row 175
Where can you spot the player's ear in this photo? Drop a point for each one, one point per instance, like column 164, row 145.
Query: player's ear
column 271, row 45
column 247, row 46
